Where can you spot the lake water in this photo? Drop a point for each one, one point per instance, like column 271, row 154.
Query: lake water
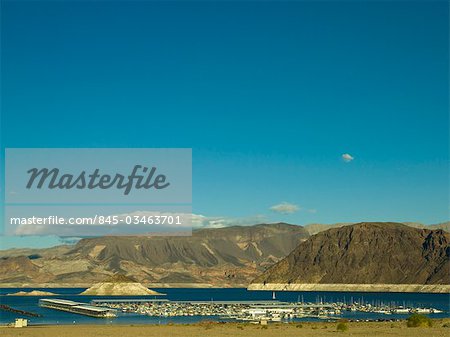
column 49, row 316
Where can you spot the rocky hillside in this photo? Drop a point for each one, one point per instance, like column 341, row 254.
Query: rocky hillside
column 367, row 253
column 315, row 228
column 226, row 256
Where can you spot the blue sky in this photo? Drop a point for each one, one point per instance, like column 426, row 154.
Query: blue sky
column 268, row 95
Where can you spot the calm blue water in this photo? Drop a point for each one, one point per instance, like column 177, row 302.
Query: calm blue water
column 30, row 303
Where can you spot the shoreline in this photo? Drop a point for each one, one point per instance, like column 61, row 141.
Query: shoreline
column 387, row 288
column 374, row 288
column 148, row 285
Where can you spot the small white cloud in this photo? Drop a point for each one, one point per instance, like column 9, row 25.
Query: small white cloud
column 347, row 157
column 285, row 208
column 200, row 221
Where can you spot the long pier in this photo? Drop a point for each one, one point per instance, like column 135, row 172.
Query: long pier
column 77, row 308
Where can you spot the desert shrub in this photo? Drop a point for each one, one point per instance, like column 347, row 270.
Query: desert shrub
column 417, row 320
column 299, row 325
column 342, row 326
column 446, row 325
column 264, row 327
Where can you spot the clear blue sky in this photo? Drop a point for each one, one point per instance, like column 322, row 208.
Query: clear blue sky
column 268, row 95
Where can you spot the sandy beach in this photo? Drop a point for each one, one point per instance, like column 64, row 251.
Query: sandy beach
column 232, row 329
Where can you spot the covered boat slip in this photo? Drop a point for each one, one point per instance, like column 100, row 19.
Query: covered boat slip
column 77, row 308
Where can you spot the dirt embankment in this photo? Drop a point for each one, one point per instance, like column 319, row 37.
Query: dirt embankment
column 320, row 329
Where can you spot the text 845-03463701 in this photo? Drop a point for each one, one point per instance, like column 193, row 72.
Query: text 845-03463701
column 141, row 219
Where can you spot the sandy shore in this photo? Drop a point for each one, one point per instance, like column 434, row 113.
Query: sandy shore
column 397, row 288
column 232, row 329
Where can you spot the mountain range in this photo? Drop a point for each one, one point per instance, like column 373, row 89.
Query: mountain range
column 228, row 256
column 234, row 256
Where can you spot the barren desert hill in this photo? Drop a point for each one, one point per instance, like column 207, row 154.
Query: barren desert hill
column 367, row 253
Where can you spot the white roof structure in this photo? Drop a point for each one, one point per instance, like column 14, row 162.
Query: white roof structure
column 92, row 308
column 58, row 301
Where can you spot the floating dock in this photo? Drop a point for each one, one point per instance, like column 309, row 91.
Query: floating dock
column 77, row 308
column 106, row 302
column 18, row 311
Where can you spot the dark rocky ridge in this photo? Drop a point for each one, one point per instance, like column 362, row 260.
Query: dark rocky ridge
column 315, row 228
column 367, row 253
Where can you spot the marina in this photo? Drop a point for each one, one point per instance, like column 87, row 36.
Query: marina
column 254, row 311
column 189, row 305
